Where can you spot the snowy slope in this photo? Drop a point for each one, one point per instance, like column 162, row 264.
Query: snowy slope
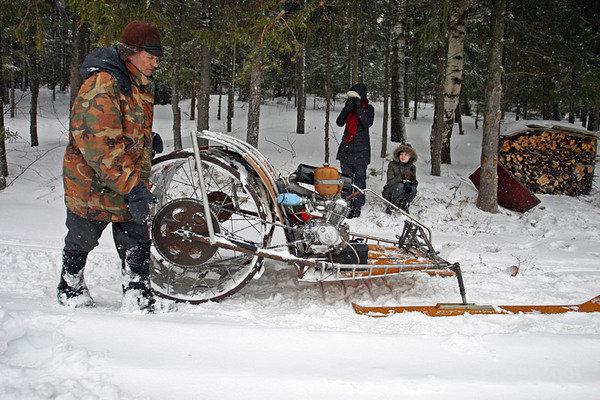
column 280, row 339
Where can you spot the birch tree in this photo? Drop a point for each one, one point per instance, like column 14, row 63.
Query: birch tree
column 454, row 70
column 397, row 125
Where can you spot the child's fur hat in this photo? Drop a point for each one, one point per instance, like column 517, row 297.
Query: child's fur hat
column 405, row 148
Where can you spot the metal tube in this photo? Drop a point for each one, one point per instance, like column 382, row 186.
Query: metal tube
column 207, row 214
column 410, row 217
column 461, row 286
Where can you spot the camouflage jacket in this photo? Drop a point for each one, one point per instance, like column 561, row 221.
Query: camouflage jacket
column 110, row 145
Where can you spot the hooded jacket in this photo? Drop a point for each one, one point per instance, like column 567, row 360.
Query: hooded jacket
column 110, row 138
column 359, row 150
column 398, row 172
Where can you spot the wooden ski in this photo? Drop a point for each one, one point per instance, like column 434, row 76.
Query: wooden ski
column 454, row 309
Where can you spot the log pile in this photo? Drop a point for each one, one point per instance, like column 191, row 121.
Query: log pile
column 552, row 160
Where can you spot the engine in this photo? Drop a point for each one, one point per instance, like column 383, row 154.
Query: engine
column 328, row 233
column 321, row 228
column 324, row 231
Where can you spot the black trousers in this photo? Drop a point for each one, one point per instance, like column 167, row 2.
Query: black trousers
column 397, row 195
column 84, row 234
column 358, row 173
column 132, row 241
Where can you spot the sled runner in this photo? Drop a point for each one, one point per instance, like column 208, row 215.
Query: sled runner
column 451, row 310
column 219, row 205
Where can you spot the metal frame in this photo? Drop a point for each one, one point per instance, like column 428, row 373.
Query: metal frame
column 415, row 240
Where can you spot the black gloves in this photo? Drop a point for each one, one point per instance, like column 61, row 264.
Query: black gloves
column 407, row 187
column 157, row 144
column 139, row 200
column 352, row 102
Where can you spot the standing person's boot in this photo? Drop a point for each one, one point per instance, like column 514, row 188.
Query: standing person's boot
column 72, row 290
column 404, row 206
column 354, row 213
column 137, row 293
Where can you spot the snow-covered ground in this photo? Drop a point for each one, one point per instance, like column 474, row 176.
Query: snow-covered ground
column 280, row 339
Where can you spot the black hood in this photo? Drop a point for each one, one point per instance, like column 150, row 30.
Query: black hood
column 107, row 59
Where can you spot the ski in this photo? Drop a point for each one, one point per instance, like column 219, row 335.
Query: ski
column 454, row 309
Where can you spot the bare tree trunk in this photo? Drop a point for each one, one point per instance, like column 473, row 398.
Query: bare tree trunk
column 3, row 162
column 398, row 127
column 487, row 199
column 204, row 89
column 405, row 93
column 256, row 62
column 571, row 111
column 34, row 83
column 220, row 89
column 12, row 93
column 593, row 122
column 437, row 128
column 254, row 99
column 584, row 115
column 458, row 119
column 416, row 87
column 546, row 111
column 301, row 90
column 386, row 81
column 454, row 70
column 556, row 112
column 77, row 55
column 193, row 100
column 354, row 27
column 231, row 91
column 175, row 94
column 327, row 91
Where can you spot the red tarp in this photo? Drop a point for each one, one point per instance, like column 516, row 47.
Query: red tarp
column 512, row 194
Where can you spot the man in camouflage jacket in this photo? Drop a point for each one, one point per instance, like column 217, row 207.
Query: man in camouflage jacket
column 107, row 164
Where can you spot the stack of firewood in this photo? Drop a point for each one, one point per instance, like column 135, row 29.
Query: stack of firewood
column 556, row 160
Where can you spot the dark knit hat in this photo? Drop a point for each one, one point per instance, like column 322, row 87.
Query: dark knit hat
column 143, row 35
column 361, row 89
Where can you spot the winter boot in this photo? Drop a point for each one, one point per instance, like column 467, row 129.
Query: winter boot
column 354, row 213
column 72, row 290
column 137, row 294
column 404, row 206
column 388, row 210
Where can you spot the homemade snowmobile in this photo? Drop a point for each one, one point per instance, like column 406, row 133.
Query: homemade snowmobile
column 218, row 208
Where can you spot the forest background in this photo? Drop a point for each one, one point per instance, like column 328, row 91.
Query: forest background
column 536, row 60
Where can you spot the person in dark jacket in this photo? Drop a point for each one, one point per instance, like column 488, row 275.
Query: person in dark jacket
column 401, row 186
column 354, row 152
column 106, row 167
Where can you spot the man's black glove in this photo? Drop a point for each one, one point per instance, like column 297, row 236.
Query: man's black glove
column 139, row 200
column 349, row 103
column 157, row 144
column 407, row 187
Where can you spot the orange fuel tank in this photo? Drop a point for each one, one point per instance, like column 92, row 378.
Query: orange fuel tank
column 328, row 181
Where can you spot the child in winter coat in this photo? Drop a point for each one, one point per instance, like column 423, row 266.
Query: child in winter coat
column 401, row 186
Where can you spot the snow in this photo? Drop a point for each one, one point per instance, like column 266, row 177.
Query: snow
column 514, row 127
column 282, row 339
